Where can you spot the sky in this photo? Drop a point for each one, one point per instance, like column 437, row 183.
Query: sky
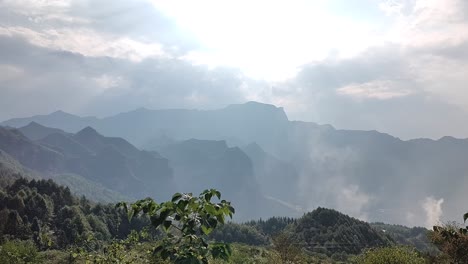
column 396, row 66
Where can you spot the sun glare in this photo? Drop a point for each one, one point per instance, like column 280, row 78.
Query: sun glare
column 267, row 40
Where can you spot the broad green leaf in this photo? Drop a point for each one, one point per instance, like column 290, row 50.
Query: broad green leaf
column 208, row 196
column 176, row 197
column 206, row 230
column 210, row 209
column 194, row 216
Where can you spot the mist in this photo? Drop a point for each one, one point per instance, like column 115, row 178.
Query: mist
column 369, row 121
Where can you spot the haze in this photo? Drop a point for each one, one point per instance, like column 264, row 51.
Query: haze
column 398, row 67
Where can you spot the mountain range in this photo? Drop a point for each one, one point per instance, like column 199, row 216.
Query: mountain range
column 253, row 148
column 111, row 162
column 87, row 161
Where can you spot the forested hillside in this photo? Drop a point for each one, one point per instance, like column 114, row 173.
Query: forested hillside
column 53, row 218
column 46, row 220
column 411, row 236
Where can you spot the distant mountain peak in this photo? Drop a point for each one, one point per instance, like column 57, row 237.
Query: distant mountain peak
column 35, row 130
column 262, row 110
column 34, row 124
column 141, row 109
column 255, row 104
column 448, row 138
column 88, row 132
column 61, row 113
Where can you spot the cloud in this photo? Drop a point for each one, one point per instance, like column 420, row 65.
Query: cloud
column 433, row 209
column 424, row 81
column 104, row 85
column 376, row 89
column 354, row 202
column 122, row 29
column 137, row 20
column 101, row 57
column 86, row 42
column 107, row 81
column 118, row 55
column 423, row 23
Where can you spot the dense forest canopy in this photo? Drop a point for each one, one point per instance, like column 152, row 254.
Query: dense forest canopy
column 49, row 215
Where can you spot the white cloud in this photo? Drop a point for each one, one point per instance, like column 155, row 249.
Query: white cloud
column 433, row 209
column 62, row 25
column 376, row 89
column 86, row 42
column 36, row 6
column 269, row 40
column 352, row 201
column 428, row 22
column 106, row 81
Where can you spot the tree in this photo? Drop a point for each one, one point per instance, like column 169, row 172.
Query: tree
column 19, row 252
column 287, row 249
column 452, row 240
column 186, row 221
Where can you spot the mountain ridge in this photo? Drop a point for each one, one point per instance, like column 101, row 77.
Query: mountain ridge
column 24, row 121
column 325, row 166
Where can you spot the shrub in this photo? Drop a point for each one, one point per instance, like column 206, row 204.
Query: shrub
column 19, row 252
column 452, row 240
column 390, row 255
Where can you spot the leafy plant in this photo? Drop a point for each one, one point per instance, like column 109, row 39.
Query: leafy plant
column 18, row 252
column 287, row 249
column 452, row 240
column 186, row 220
column 123, row 251
column 390, row 255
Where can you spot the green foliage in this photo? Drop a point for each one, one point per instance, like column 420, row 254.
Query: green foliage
column 55, row 256
column 253, row 233
column 92, row 190
column 390, row 255
column 416, row 237
column 329, row 232
column 287, row 249
column 124, row 251
column 52, row 217
column 19, row 252
column 452, row 240
column 245, row 254
column 186, row 220
column 239, row 233
column 273, row 225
